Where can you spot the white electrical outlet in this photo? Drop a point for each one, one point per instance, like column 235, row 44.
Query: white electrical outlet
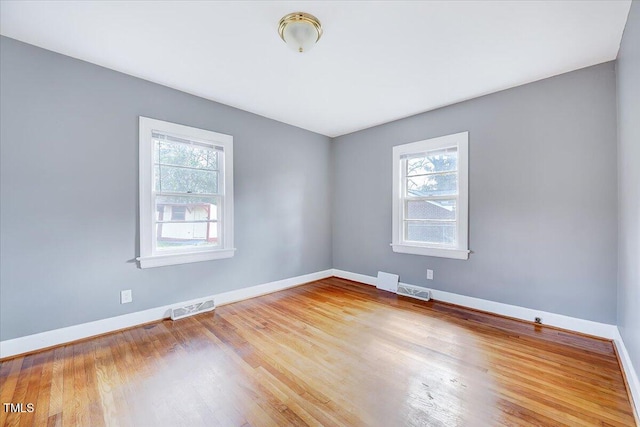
column 126, row 296
column 429, row 274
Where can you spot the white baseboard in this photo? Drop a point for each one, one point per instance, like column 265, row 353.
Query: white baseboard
column 629, row 370
column 356, row 277
column 552, row 319
column 55, row 337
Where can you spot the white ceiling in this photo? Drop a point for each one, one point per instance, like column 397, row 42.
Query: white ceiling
column 376, row 62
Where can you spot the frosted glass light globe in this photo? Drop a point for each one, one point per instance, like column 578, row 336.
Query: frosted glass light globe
column 300, row 36
column 300, row 31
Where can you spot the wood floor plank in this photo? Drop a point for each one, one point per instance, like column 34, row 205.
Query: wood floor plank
column 80, row 392
column 33, row 388
column 20, row 391
column 57, row 385
column 70, row 408
column 44, row 390
column 104, row 386
column 330, row 353
column 9, row 374
column 108, row 382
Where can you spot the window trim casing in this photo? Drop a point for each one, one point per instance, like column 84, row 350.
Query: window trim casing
column 148, row 256
column 398, row 244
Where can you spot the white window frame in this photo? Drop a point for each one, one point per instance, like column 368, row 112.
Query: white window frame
column 149, row 256
column 460, row 250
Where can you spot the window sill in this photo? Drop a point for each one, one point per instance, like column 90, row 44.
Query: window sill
column 425, row 251
column 185, row 258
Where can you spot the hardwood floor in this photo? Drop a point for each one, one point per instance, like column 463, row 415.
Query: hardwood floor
column 332, row 352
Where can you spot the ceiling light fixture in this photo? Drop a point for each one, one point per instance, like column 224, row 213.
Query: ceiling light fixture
column 300, row 31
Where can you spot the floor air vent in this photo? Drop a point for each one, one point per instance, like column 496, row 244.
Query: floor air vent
column 414, row 292
column 191, row 309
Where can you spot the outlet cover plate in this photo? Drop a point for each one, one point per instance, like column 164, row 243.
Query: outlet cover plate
column 126, row 296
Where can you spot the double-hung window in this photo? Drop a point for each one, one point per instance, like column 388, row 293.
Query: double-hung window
column 431, row 197
column 186, row 194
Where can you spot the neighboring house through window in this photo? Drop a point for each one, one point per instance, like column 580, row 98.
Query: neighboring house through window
column 186, row 194
column 430, row 197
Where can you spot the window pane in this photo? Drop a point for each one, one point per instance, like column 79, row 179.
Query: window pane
column 434, row 161
column 183, row 222
column 431, row 209
column 179, row 154
column 433, row 185
column 181, row 180
column 191, row 208
column 186, row 235
column 430, row 232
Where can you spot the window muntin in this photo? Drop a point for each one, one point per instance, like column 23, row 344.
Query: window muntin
column 186, row 185
column 431, row 197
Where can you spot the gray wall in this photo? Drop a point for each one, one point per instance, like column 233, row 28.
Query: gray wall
column 543, row 204
column 543, row 196
column 628, row 69
column 69, row 194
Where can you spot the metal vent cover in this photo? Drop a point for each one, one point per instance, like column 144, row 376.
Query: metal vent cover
column 414, row 292
column 191, row 309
